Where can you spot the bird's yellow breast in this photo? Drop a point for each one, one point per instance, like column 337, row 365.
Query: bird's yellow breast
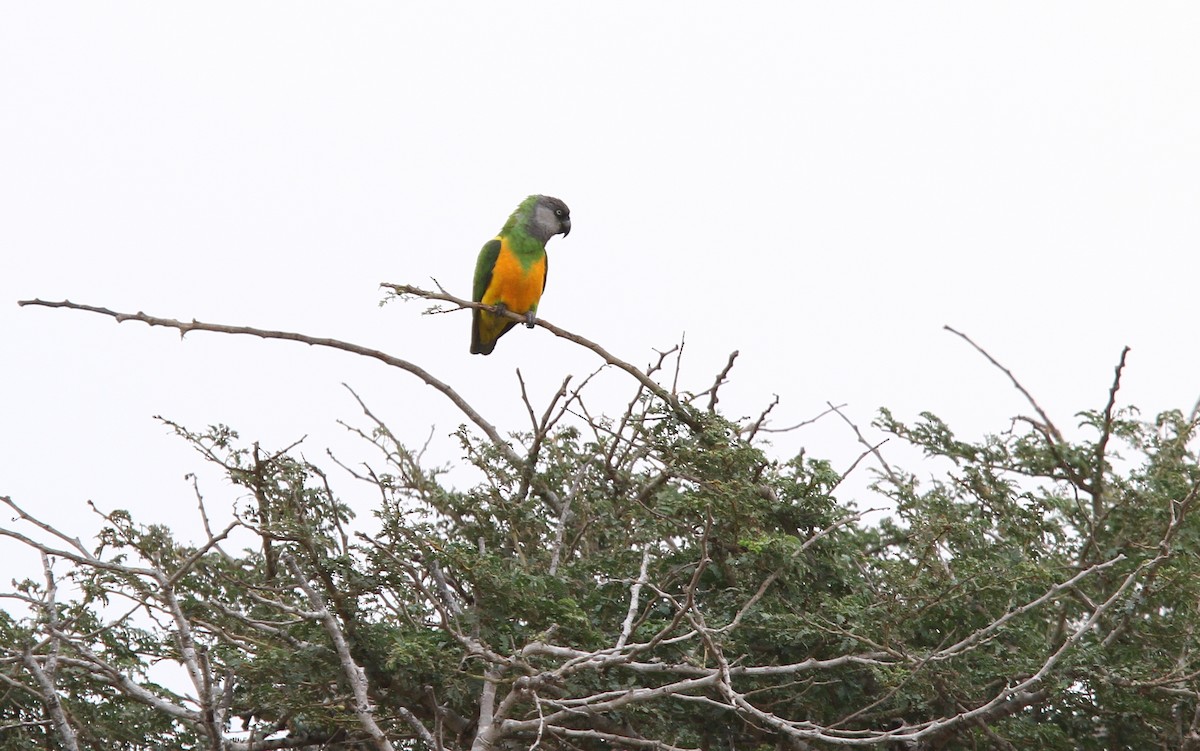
column 517, row 286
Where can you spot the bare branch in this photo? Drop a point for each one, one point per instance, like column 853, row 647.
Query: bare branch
column 44, row 674
column 760, row 428
column 681, row 411
column 353, row 672
column 487, row 731
column 1054, row 591
column 874, row 449
column 564, row 515
column 185, row 327
column 50, row 697
column 635, row 592
column 1013, row 379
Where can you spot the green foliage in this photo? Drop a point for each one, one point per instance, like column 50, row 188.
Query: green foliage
column 1028, row 591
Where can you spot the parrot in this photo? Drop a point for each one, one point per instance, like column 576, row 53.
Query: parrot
column 511, row 270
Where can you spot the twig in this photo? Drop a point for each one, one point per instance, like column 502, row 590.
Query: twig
column 802, row 423
column 874, row 449
column 1012, row 378
column 1105, row 434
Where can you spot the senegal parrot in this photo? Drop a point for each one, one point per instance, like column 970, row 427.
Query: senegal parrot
column 511, row 270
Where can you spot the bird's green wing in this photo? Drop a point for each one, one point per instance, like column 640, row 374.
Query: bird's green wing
column 484, row 267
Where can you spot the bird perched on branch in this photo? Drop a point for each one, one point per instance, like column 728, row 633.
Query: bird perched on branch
column 511, row 270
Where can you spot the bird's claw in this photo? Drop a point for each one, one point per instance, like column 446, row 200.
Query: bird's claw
column 529, row 319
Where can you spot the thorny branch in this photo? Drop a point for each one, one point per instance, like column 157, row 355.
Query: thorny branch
column 185, row 327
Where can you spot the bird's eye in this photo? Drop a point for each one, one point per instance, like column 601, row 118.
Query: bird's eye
column 558, row 212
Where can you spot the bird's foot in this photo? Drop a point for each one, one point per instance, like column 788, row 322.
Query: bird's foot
column 529, row 319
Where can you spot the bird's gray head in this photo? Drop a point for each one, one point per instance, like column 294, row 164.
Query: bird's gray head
column 550, row 217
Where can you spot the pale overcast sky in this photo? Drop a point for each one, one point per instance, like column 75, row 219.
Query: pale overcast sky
column 821, row 186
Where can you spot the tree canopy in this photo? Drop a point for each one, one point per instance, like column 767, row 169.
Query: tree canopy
column 649, row 579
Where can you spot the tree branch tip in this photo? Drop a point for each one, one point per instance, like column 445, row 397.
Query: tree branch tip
column 45, row 303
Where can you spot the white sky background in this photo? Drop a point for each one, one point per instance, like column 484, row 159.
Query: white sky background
column 820, row 186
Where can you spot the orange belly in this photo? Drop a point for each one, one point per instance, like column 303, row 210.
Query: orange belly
column 518, row 287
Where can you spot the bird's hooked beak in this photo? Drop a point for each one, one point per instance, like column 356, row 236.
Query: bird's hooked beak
column 566, row 227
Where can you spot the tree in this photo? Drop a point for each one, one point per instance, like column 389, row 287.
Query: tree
column 652, row 579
